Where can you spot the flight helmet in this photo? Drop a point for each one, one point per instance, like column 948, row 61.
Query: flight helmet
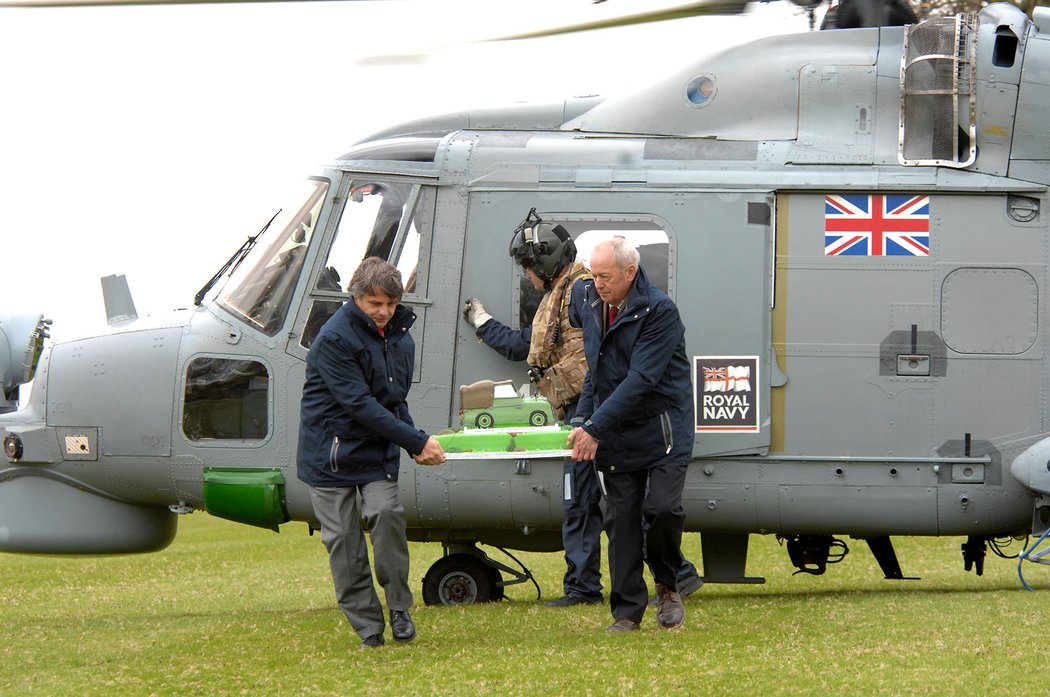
column 543, row 247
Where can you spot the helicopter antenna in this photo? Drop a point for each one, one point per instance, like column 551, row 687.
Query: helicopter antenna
column 233, row 262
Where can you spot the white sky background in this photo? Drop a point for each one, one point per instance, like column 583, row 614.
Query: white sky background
column 151, row 141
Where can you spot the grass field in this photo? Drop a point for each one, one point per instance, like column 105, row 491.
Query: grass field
column 234, row 610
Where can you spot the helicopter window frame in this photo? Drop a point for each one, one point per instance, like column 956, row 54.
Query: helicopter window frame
column 268, row 394
column 419, row 201
column 579, row 225
column 258, row 293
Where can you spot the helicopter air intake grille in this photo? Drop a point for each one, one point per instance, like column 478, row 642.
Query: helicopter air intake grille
column 938, row 120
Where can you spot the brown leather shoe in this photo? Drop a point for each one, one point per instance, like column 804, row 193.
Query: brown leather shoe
column 622, row 625
column 670, row 612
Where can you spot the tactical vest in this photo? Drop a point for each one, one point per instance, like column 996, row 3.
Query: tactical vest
column 557, row 346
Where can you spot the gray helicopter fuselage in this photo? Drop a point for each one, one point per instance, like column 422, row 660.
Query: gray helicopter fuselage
column 850, row 380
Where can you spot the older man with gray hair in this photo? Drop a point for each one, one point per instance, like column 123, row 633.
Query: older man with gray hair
column 634, row 419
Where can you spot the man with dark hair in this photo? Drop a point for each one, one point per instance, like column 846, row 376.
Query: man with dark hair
column 354, row 422
column 634, row 419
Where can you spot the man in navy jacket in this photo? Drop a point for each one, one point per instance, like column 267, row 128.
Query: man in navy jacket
column 635, row 419
column 355, row 421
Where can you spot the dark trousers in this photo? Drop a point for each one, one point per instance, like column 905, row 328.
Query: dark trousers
column 581, row 530
column 655, row 496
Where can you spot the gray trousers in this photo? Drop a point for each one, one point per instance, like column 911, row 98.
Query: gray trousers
column 337, row 510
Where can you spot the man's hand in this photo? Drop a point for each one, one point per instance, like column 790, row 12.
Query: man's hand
column 474, row 312
column 432, row 454
column 584, row 446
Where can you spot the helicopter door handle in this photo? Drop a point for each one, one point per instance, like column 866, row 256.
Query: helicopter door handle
column 913, row 364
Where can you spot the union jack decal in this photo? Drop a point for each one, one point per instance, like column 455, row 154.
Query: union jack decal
column 876, row 225
column 730, row 378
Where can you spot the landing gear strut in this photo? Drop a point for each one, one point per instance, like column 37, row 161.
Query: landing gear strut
column 467, row 576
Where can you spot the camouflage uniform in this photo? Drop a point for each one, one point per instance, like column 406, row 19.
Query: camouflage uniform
column 557, row 347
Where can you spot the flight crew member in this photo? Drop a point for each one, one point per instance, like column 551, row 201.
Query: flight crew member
column 634, row 419
column 355, row 421
column 581, row 529
column 554, row 350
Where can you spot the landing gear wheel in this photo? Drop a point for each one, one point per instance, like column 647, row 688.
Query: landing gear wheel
column 483, row 420
column 460, row 579
column 538, row 418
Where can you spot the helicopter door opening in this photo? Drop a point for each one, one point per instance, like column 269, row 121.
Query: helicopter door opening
column 646, row 236
column 712, row 251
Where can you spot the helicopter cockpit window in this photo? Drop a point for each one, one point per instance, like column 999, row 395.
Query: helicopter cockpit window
column 648, row 238
column 226, row 399
column 260, row 289
column 370, row 225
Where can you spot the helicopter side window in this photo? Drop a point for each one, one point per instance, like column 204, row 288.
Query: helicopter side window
column 261, row 292
column 226, row 399
column 369, row 226
column 651, row 241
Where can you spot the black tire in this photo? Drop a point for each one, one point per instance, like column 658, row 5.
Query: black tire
column 484, row 420
column 460, row 579
column 538, row 418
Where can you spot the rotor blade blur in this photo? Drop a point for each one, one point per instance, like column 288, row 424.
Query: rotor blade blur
column 609, row 16
column 693, row 9
column 104, row 3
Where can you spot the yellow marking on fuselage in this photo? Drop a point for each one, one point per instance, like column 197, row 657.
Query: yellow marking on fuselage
column 779, row 329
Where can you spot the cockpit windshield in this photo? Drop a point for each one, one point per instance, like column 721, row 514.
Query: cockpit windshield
column 260, row 289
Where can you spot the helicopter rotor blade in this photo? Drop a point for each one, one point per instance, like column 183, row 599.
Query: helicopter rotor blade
column 692, row 9
column 583, row 19
column 108, row 3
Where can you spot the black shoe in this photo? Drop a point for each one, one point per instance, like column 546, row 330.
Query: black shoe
column 371, row 642
column 570, row 600
column 401, row 626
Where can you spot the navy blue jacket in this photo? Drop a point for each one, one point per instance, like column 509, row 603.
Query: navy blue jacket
column 355, row 415
column 637, row 399
column 512, row 344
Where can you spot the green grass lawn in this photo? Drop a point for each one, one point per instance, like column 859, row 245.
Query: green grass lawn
column 235, row 610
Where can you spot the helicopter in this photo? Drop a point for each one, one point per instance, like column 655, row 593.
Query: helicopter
column 849, row 221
